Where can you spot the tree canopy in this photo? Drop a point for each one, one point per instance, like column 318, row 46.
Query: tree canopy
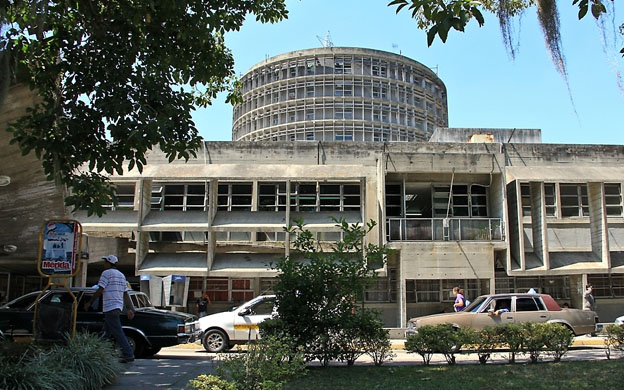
column 439, row 17
column 117, row 78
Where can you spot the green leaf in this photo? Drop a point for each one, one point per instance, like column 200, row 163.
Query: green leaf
column 431, row 34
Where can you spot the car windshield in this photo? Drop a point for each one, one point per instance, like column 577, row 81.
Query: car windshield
column 22, row 302
column 476, row 305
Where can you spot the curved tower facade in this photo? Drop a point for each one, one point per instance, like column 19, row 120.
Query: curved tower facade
column 339, row 94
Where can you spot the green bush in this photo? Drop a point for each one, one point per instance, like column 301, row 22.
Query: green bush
column 511, row 336
column 558, row 340
column 210, row 382
column 86, row 362
column 482, row 342
column 378, row 346
column 361, row 332
column 534, row 339
column 442, row 338
column 615, row 340
column 268, row 364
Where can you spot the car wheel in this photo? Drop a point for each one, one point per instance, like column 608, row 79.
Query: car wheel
column 215, row 340
column 137, row 344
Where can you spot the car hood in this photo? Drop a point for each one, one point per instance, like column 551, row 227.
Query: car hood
column 221, row 318
column 437, row 318
column 153, row 311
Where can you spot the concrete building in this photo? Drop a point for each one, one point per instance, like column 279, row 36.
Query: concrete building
column 489, row 217
column 339, row 94
column 489, row 210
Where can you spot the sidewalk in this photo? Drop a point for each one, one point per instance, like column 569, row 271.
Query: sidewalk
column 173, row 367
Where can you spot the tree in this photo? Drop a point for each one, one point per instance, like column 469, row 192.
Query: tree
column 317, row 291
column 117, row 78
column 438, row 17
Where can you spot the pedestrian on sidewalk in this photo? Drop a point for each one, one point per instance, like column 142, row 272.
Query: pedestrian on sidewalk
column 589, row 302
column 460, row 300
column 114, row 289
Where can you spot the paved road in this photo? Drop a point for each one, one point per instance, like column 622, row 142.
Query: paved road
column 173, row 367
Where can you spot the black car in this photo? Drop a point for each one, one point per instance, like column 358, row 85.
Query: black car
column 150, row 330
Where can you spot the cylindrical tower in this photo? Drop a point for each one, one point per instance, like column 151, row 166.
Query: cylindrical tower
column 339, row 94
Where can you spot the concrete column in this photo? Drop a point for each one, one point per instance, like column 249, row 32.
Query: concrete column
column 598, row 222
column 287, row 236
column 538, row 223
column 401, row 295
column 577, row 286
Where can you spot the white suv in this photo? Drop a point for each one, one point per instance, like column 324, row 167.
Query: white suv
column 221, row 331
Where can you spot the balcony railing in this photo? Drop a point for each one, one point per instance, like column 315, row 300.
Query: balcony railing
column 441, row 229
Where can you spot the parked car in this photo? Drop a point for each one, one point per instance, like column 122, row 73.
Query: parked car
column 150, row 330
column 484, row 311
column 619, row 321
column 221, row 331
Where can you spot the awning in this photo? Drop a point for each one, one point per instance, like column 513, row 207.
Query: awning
column 267, row 221
column 112, row 221
column 175, row 220
column 163, row 264
column 244, row 264
column 246, row 221
column 571, row 174
column 237, row 264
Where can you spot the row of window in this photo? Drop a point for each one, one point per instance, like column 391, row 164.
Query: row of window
column 339, row 65
column 333, row 89
column 571, row 200
column 436, row 201
column 285, row 115
column 309, row 196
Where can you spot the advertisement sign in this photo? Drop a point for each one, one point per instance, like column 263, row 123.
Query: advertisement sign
column 59, row 248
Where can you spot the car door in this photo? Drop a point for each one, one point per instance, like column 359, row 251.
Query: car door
column 247, row 320
column 486, row 317
column 530, row 309
column 92, row 319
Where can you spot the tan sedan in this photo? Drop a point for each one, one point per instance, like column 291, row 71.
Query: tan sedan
column 498, row 309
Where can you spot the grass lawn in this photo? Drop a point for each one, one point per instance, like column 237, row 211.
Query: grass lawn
column 568, row 376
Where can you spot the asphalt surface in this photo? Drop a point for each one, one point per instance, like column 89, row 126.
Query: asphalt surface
column 173, row 367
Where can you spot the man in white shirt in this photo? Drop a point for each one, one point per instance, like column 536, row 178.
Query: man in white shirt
column 114, row 288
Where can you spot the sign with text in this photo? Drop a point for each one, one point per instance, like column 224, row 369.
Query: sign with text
column 59, row 248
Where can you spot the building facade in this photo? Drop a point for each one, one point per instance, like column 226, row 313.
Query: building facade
column 489, row 217
column 339, row 94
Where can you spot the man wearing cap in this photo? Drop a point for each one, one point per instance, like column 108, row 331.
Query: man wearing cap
column 114, row 288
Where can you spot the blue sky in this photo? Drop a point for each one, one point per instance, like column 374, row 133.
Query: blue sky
column 486, row 88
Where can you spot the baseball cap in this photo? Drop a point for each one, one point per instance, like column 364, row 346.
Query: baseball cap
column 111, row 259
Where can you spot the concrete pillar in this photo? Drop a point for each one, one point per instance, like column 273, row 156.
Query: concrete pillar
column 598, row 222
column 401, row 295
column 577, row 286
column 538, row 223
column 287, row 236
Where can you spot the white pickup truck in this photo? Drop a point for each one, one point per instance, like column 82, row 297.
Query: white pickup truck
column 221, row 331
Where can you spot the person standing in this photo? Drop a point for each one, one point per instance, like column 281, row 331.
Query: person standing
column 460, row 300
column 589, row 303
column 114, row 289
column 202, row 305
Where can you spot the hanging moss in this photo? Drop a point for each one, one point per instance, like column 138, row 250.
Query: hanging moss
column 548, row 17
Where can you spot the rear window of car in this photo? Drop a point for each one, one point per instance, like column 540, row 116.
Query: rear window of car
column 526, row 304
column 23, row 302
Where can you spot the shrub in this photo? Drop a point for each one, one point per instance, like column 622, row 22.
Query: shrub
column 512, row 337
column 378, row 346
column 361, row 332
column 615, row 340
column 482, row 342
column 558, row 340
column 534, row 339
column 210, row 382
column 85, row 362
column 268, row 364
column 442, row 338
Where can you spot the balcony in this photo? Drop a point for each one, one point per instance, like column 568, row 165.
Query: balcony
column 441, row 229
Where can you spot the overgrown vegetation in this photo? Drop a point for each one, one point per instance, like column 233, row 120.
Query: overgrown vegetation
column 84, row 363
column 615, row 341
column 117, row 78
column 532, row 339
column 318, row 289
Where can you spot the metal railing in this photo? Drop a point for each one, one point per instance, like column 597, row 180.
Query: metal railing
column 444, row 229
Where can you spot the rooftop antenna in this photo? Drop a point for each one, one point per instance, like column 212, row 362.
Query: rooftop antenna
column 326, row 42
